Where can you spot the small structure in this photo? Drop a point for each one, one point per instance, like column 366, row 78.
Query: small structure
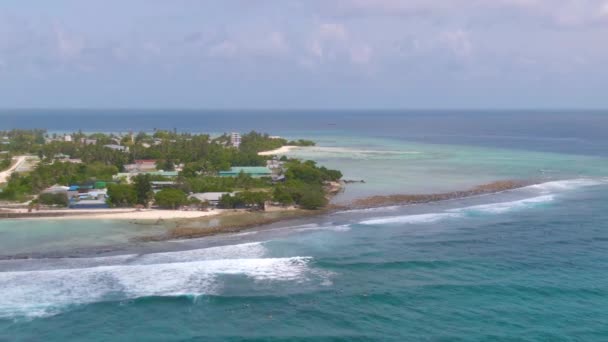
column 235, row 139
column 141, row 165
column 128, row 175
column 56, row 189
column 253, row 171
column 274, row 164
column 159, row 185
column 86, row 141
column 61, row 156
column 67, row 138
column 117, row 147
column 213, row 198
column 88, row 204
column 146, row 164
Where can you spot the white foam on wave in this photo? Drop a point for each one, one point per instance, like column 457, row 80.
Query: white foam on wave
column 66, row 282
column 38, row 293
column 547, row 189
column 340, row 228
column 564, row 185
column 503, row 207
column 412, row 219
column 239, row 251
column 492, row 208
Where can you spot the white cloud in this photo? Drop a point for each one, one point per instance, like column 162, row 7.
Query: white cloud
column 458, row 42
column 361, row 54
column 333, row 31
column 566, row 13
column 68, row 46
column 604, row 10
column 225, row 48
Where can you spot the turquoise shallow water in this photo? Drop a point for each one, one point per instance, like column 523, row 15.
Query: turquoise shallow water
column 527, row 266
column 523, row 265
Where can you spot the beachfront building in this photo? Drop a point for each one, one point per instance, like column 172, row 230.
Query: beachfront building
column 67, row 138
column 235, row 139
column 213, row 198
column 159, row 185
column 253, row 171
column 56, row 189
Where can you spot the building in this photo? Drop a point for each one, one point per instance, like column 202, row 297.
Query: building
column 67, row 138
column 146, row 165
column 159, row 185
column 56, row 189
column 274, row 164
column 235, row 139
column 253, row 171
column 117, row 147
column 141, row 165
column 86, row 141
column 213, row 198
column 88, row 204
column 129, row 175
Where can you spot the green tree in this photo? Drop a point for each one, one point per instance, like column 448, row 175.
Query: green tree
column 143, row 189
column 312, row 200
column 58, row 199
column 121, row 195
column 171, row 198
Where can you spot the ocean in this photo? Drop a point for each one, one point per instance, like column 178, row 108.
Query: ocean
column 521, row 265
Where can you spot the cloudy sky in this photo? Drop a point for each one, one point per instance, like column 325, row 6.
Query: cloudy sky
column 304, row 53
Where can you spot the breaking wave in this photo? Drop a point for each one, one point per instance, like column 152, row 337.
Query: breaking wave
column 499, row 208
column 412, row 219
column 493, row 208
column 36, row 293
column 564, row 185
column 546, row 191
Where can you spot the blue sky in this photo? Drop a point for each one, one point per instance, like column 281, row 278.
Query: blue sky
column 304, row 53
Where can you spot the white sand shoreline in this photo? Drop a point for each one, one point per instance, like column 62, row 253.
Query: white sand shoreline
column 280, row 150
column 111, row 214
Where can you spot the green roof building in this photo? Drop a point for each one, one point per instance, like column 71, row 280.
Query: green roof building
column 253, row 171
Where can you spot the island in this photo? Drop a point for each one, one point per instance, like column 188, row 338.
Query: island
column 158, row 175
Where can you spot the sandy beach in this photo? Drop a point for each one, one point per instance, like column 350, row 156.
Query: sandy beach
column 112, row 214
column 281, row 150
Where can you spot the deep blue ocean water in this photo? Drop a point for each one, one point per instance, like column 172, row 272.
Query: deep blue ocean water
column 525, row 265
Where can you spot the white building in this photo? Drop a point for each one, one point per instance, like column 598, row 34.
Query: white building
column 235, row 139
column 67, row 138
column 213, row 198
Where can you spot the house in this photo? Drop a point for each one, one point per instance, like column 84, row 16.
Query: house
column 55, row 189
column 159, row 185
column 86, row 141
column 73, row 161
column 88, row 204
column 141, row 165
column 128, row 175
column 235, row 139
column 213, row 198
column 67, row 138
column 253, row 171
column 145, row 165
column 274, row 164
column 117, row 147
column 61, row 156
